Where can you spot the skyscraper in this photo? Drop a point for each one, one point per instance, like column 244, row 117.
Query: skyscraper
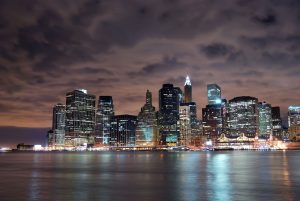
column 187, row 90
column 58, row 124
column 212, row 117
column 190, row 127
column 243, row 116
column 294, row 121
column 168, row 114
column 212, row 114
column 265, row 120
column 123, row 128
column 80, row 118
column 185, row 125
column 146, row 131
column 276, row 122
column 104, row 115
column 214, row 94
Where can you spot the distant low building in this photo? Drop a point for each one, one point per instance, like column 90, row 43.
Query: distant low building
column 25, row 147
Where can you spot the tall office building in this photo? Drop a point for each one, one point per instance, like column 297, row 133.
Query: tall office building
column 294, row 121
column 276, row 122
column 147, row 131
column 243, row 116
column 50, row 138
column 212, row 114
column 214, row 94
column 187, row 90
column 168, row 114
column 265, row 120
column 104, row 115
column 80, row 118
column 185, row 125
column 212, row 117
column 58, row 124
column 188, row 114
column 123, row 128
column 224, row 107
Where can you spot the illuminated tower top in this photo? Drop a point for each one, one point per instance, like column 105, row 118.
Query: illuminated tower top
column 187, row 81
column 187, row 90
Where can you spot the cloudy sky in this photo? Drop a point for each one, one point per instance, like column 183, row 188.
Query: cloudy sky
column 122, row 48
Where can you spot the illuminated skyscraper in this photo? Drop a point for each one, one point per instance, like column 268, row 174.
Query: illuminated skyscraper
column 212, row 114
column 58, row 124
column 80, row 118
column 168, row 114
column 185, row 125
column 276, row 122
column 243, row 116
column 214, row 94
column 212, row 117
column 187, row 90
column 294, row 121
column 123, row 128
column 146, row 131
column 265, row 120
column 104, row 115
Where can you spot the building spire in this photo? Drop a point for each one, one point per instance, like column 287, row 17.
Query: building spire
column 187, row 81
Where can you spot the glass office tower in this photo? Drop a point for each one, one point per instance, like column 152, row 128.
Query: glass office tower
column 104, row 115
column 243, row 116
column 80, row 118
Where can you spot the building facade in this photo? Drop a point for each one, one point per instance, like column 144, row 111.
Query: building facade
column 185, row 125
column 294, row 122
column 243, row 116
column 212, row 117
column 265, row 120
column 58, row 124
column 276, row 122
column 147, row 131
column 212, row 114
column 80, row 118
column 104, row 115
column 214, row 94
column 168, row 114
column 123, row 128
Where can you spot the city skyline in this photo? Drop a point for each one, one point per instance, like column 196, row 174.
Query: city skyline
column 186, row 79
column 114, row 49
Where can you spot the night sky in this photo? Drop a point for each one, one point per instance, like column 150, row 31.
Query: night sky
column 122, row 48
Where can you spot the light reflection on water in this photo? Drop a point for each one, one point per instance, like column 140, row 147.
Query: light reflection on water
column 238, row 175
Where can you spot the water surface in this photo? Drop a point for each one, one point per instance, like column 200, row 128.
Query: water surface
column 155, row 176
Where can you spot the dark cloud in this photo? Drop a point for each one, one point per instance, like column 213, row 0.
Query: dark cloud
column 249, row 73
column 267, row 20
column 216, row 50
column 95, row 70
column 167, row 64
